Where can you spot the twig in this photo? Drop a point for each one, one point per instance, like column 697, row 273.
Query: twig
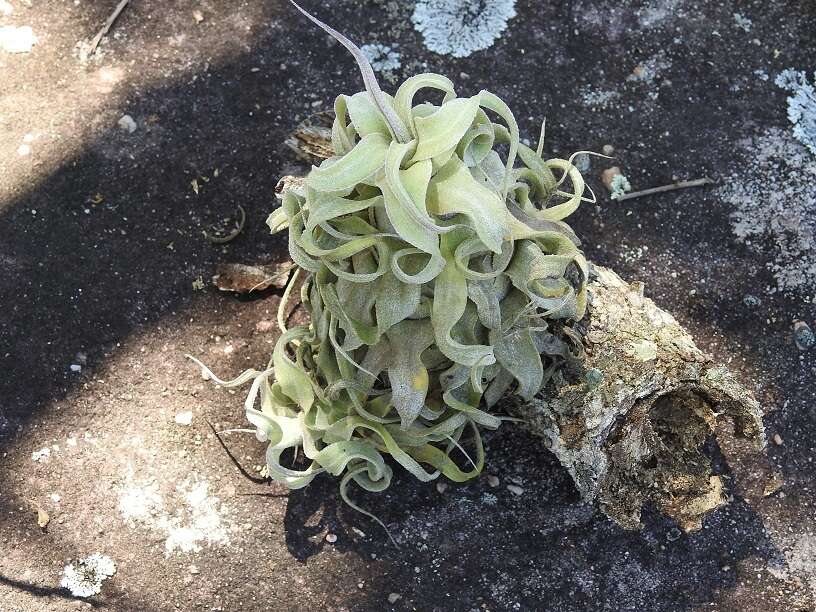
column 241, row 469
column 681, row 185
column 232, row 235
column 105, row 28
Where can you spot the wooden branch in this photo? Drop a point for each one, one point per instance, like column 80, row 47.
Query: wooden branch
column 105, row 28
column 630, row 423
column 701, row 182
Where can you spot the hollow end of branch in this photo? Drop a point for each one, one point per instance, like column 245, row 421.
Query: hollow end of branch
column 639, row 421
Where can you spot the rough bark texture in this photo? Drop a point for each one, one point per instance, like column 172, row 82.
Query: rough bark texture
column 631, row 422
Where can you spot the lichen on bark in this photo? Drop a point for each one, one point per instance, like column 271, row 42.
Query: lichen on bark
column 630, row 421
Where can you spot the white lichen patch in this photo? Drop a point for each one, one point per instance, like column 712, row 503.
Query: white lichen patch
column 619, row 186
column 597, row 98
column 199, row 522
column 657, row 12
column 199, row 519
column 85, row 577
column 461, row 27
column 650, row 68
column 382, row 57
column 801, row 105
column 743, row 22
column 140, row 503
column 773, row 197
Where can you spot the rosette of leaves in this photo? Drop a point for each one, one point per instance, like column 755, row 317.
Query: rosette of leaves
column 438, row 266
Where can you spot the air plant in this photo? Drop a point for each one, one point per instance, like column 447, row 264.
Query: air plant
column 439, row 277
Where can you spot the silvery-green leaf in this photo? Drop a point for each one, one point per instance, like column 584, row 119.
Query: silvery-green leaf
column 517, row 353
column 546, row 182
column 292, row 380
column 341, row 138
column 432, row 266
column 476, row 144
column 498, row 388
column 365, row 116
column 403, row 99
column 395, row 124
column 279, row 431
column 560, row 211
column 497, row 262
column 406, row 374
column 326, row 206
column 408, row 200
column 395, row 301
column 405, row 212
column 450, row 300
column 453, row 190
column 486, row 297
column 356, row 166
column 442, row 131
column 277, row 220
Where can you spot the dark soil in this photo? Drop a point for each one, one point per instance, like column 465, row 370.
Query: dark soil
column 103, row 241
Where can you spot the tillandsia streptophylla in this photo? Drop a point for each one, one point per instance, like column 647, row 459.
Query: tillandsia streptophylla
column 437, row 274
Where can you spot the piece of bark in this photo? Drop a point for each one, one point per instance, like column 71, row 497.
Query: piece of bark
column 241, row 278
column 630, row 425
column 631, row 421
column 311, row 140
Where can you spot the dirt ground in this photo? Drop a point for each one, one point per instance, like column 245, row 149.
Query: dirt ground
column 102, row 245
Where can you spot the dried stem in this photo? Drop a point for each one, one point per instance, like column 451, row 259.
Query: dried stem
column 701, row 182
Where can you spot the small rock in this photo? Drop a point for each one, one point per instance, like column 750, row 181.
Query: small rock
column 582, row 163
column 55, row 498
column 775, row 482
column 198, row 16
column 127, row 123
column 608, row 149
column 492, row 480
column 608, row 175
column 42, row 518
column 673, row 535
column 777, row 439
column 17, row 40
column 265, row 325
column 803, row 336
column 515, row 489
column 24, row 150
column 441, row 487
column 194, row 570
column 394, row 598
column 331, row 538
column 75, row 367
column 41, row 454
column 751, row 301
column 184, row 418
